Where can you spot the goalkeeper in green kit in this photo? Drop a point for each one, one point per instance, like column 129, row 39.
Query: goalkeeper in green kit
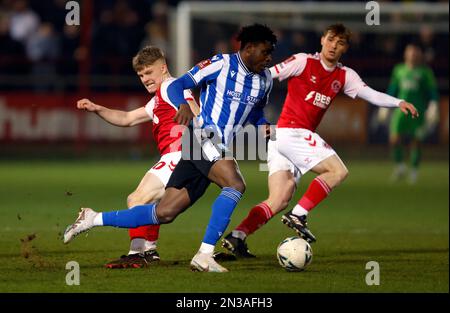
column 413, row 82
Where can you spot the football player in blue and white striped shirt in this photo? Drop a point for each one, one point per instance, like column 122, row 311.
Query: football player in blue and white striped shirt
column 233, row 91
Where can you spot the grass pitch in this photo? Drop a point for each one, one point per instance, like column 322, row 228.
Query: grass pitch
column 403, row 228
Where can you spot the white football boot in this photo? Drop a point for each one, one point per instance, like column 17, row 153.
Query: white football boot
column 84, row 222
column 204, row 262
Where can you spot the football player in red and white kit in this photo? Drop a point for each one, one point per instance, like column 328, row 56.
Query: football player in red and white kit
column 150, row 65
column 314, row 80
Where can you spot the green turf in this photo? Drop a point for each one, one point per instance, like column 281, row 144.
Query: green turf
column 404, row 228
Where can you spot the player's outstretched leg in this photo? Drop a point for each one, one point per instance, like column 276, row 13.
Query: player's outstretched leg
column 137, row 216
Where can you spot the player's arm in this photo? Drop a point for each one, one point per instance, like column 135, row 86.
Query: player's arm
column 292, row 66
column 175, row 93
column 384, row 100
column 392, row 90
column 355, row 87
column 202, row 72
column 187, row 97
column 115, row 117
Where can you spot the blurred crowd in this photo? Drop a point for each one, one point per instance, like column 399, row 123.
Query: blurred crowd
column 36, row 43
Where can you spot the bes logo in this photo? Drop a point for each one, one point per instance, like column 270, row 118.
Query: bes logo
column 320, row 100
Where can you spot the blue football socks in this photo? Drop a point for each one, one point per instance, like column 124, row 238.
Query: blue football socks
column 222, row 209
column 136, row 216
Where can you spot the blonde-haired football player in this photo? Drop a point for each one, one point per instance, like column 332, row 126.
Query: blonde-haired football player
column 151, row 67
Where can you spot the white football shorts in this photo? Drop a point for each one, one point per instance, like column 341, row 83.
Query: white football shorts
column 165, row 166
column 277, row 162
column 302, row 148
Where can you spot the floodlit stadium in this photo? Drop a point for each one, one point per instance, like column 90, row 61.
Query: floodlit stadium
column 383, row 225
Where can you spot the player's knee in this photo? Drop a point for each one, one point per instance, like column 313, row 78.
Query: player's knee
column 132, row 200
column 238, row 184
column 137, row 198
column 342, row 174
column 165, row 216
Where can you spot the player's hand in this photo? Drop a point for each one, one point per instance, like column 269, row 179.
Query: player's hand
column 407, row 107
column 184, row 115
column 267, row 131
column 88, row 105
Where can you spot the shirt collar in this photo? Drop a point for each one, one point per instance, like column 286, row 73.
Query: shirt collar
column 325, row 67
column 247, row 71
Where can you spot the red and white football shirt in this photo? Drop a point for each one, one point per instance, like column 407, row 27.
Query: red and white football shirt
column 312, row 86
column 162, row 112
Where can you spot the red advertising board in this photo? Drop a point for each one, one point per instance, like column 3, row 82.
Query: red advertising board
column 32, row 118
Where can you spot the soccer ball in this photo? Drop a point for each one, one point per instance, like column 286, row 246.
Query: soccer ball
column 294, row 254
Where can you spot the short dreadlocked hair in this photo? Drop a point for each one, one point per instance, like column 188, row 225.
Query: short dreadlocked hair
column 254, row 34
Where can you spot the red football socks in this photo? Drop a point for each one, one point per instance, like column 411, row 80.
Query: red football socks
column 148, row 232
column 258, row 216
column 316, row 192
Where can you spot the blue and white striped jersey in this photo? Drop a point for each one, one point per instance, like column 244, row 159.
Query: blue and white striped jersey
column 230, row 94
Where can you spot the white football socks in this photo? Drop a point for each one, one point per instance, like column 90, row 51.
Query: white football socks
column 150, row 245
column 98, row 220
column 206, row 248
column 298, row 210
column 140, row 245
column 137, row 246
column 239, row 234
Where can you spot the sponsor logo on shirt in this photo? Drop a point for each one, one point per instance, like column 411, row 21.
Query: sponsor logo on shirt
column 204, row 63
column 236, row 96
column 318, row 99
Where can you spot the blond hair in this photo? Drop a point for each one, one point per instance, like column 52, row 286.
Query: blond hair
column 147, row 56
